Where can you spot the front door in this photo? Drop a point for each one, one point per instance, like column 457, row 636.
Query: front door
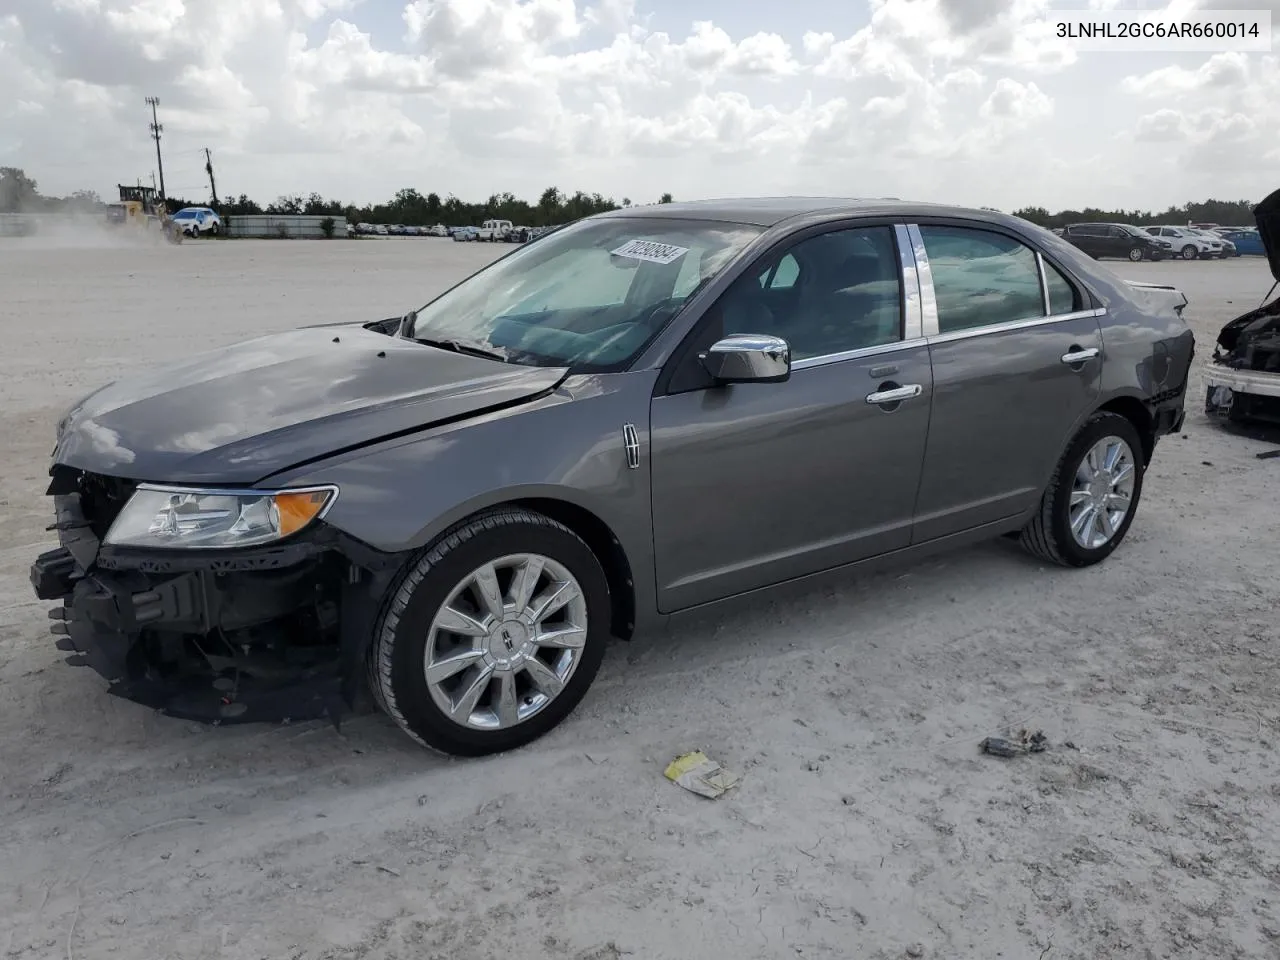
column 757, row 483
column 1016, row 364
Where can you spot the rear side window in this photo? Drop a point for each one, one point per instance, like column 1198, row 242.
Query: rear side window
column 981, row 278
column 1062, row 295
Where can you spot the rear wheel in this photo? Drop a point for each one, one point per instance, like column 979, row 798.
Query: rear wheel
column 493, row 636
column 1093, row 495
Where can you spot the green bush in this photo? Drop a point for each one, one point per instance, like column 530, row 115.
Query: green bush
column 328, row 225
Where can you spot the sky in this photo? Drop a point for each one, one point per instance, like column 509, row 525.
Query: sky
column 957, row 101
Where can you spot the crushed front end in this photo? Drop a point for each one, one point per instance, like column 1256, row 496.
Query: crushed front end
column 1243, row 377
column 270, row 632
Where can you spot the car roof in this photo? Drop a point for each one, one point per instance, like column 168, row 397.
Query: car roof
column 770, row 211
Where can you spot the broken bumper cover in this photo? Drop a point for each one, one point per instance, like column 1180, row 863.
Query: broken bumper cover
column 1242, row 394
column 1254, row 382
column 101, row 620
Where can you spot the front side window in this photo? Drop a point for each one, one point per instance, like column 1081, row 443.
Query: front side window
column 981, row 278
column 827, row 294
column 589, row 296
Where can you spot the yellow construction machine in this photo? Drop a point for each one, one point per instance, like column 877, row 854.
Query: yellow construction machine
column 141, row 208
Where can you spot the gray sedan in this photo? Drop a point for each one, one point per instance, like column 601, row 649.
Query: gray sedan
column 643, row 412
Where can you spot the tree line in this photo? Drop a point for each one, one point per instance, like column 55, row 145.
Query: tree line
column 411, row 208
column 19, row 194
column 1228, row 213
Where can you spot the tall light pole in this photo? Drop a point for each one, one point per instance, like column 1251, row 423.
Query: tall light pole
column 155, row 133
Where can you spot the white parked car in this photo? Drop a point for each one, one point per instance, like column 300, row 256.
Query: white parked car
column 439, row 230
column 493, row 230
column 1228, row 248
column 196, row 221
column 1187, row 243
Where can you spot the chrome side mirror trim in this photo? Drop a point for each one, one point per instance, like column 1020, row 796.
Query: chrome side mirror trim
column 748, row 358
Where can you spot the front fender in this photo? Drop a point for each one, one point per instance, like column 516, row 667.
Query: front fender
column 567, row 446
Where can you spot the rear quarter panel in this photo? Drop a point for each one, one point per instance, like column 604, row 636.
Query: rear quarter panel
column 1147, row 346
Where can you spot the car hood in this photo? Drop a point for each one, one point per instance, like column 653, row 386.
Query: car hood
column 1267, row 215
column 238, row 414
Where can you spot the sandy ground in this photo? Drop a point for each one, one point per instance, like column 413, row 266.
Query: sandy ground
column 867, row 823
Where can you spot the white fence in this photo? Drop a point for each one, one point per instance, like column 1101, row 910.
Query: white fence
column 283, row 225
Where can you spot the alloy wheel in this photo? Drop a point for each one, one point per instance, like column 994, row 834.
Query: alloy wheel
column 505, row 642
column 1102, row 493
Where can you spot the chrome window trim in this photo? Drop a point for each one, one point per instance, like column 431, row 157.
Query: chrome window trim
column 1015, row 325
column 929, row 299
column 1044, row 284
column 912, row 309
column 875, row 351
column 928, row 303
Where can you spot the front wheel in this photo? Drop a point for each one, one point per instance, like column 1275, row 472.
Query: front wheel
column 1093, row 496
column 1135, row 254
column 1189, row 252
column 493, row 636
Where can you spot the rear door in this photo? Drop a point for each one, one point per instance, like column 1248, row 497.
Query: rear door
column 1017, row 359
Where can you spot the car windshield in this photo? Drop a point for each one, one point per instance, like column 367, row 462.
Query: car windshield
column 1131, row 229
column 589, row 296
column 185, row 215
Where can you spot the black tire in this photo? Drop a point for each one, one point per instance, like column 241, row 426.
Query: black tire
column 396, row 655
column 214, row 229
column 1047, row 535
column 1136, row 254
column 1189, row 252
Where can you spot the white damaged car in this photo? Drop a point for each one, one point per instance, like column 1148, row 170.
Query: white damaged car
column 1243, row 376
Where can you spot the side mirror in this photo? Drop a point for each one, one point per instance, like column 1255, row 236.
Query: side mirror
column 748, row 358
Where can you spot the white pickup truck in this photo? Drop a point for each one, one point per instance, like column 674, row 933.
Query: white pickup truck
column 493, row 230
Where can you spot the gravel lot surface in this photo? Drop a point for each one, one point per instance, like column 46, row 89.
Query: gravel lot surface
column 867, row 823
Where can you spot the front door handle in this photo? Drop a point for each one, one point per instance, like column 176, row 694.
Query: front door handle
column 896, row 395
column 1077, row 355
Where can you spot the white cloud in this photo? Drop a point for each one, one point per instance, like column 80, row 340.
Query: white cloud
column 1011, row 100
column 1225, row 71
column 1161, row 126
column 938, row 99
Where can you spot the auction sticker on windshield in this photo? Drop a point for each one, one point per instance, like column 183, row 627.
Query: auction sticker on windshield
column 650, row 250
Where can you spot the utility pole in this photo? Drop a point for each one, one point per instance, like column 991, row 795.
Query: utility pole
column 156, row 128
column 208, row 168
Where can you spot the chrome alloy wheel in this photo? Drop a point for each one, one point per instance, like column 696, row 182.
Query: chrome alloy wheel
column 1102, row 493
column 506, row 641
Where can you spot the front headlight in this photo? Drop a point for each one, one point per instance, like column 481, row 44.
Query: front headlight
column 178, row 518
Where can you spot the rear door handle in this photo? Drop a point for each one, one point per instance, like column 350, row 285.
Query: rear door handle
column 1080, row 356
column 896, row 395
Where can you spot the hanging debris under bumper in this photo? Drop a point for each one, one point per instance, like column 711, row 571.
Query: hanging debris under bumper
column 271, row 634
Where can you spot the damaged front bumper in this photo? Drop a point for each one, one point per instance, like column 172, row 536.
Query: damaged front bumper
column 272, row 634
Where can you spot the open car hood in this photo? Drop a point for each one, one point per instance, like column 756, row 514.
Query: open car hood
column 1267, row 216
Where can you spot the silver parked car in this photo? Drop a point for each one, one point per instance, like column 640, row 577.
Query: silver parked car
column 641, row 413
